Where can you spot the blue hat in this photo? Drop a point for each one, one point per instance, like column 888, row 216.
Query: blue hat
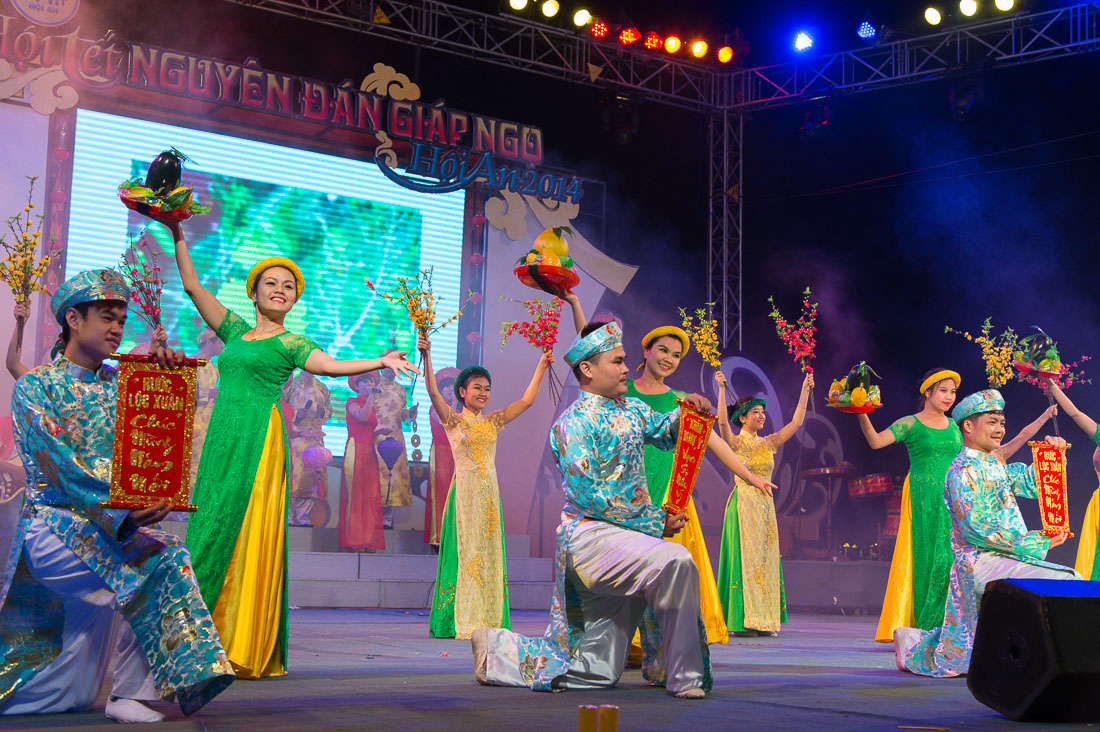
column 986, row 400
column 602, row 339
column 91, row 286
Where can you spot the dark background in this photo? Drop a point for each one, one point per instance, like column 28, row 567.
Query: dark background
column 1011, row 234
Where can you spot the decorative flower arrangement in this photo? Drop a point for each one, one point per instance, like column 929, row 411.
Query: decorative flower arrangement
column 139, row 267
column 1006, row 355
column 21, row 271
column 998, row 351
column 541, row 331
column 798, row 336
column 704, row 334
column 416, row 294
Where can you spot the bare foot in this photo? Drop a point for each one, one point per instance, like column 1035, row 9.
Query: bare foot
column 695, row 693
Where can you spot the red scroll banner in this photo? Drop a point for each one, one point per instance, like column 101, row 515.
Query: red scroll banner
column 1050, row 479
column 691, row 445
column 154, row 418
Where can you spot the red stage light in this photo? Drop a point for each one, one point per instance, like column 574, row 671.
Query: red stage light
column 673, row 44
column 653, row 41
column 725, row 54
column 629, row 35
column 599, row 29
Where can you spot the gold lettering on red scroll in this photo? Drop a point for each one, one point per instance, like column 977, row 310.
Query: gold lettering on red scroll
column 691, row 445
column 154, row 419
column 1050, row 479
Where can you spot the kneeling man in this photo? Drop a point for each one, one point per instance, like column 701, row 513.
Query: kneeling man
column 988, row 538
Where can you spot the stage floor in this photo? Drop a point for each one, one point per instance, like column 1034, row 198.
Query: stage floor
column 379, row 670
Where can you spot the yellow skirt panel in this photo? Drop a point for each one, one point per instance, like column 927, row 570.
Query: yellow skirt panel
column 247, row 615
column 1086, row 546
column 897, row 606
column 691, row 537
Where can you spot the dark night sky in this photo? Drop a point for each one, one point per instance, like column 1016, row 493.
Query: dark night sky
column 1010, row 235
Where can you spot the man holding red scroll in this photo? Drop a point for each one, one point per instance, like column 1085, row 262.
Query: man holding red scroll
column 77, row 566
column 612, row 563
column 988, row 538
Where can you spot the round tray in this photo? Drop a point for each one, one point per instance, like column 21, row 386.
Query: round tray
column 544, row 277
column 143, row 208
column 867, row 408
column 1024, row 368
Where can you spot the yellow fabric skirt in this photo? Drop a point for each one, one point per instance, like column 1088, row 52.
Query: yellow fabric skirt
column 1086, row 544
column 691, row 537
column 247, row 615
column 897, row 606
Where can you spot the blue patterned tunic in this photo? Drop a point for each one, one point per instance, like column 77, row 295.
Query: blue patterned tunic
column 598, row 444
column 64, row 417
column 980, row 492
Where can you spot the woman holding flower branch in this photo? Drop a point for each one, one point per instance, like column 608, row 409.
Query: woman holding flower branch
column 662, row 350
column 470, row 587
column 750, row 574
column 238, row 537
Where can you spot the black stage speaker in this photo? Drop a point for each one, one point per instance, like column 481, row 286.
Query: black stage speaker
column 1037, row 650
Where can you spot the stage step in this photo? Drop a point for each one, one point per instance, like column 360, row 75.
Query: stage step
column 320, row 579
column 398, row 541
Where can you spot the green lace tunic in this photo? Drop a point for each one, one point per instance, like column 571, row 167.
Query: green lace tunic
column 930, row 454
column 252, row 374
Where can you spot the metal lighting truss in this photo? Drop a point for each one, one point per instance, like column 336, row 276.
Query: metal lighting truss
column 722, row 94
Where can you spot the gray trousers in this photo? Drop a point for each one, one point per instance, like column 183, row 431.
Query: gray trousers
column 616, row 573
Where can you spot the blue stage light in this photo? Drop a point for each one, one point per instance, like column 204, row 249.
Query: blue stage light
column 803, row 41
column 866, row 31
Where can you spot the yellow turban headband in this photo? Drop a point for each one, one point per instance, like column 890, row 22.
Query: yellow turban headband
column 265, row 264
column 667, row 330
column 938, row 377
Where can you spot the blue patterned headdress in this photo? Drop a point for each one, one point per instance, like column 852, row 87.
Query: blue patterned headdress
column 986, row 400
column 91, row 286
column 600, row 340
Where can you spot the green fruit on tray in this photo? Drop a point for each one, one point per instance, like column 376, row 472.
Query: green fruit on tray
column 567, row 262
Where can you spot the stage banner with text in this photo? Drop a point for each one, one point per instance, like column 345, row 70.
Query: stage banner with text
column 1050, row 479
column 691, row 445
column 154, row 420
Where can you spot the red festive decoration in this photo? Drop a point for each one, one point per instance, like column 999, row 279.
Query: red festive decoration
column 541, row 331
column 798, row 337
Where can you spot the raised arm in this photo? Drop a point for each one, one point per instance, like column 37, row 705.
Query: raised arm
column 1083, row 421
column 320, row 363
column 876, row 440
column 579, row 321
column 442, row 408
column 788, row 430
column 724, row 428
column 209, row 307
column 14, row 360
column 517, row 408
column 1008, row 449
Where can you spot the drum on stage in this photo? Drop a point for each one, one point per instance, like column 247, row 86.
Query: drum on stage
column 869, row 486
column 893, row 514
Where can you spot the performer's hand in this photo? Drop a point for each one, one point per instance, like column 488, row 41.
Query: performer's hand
column 146, row 516
column 1056, row 442
column 764, row 486
column 22, row 310
column 423, row 344
column 674, row 522
column 1052, row 411
column 400, row 365
column 808, row 382
column 1058, row 540
column 547, row 357
column 160, row 337
column 168, row 357
column 720, row 379
column 700, row 402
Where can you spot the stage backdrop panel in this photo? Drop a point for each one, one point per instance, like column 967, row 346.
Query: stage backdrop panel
column 341, row 220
